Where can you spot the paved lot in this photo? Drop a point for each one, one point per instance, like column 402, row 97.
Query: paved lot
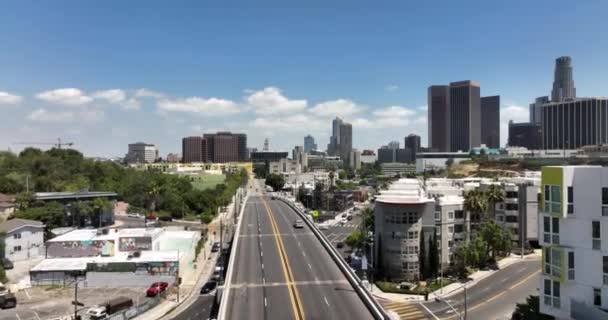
column 52, row 302
column 338, row 233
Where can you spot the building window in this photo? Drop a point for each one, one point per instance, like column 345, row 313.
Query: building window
column 553, row 262
column 450, row 229
column 553, row 199
column 571, row 265
column 511, row 207
column 597, row 297
column 458, row 228
column 552, row 293
column 596, row 235
column 511, row 219
column 570, row 200
column 17, row 248
column 459, row 214
column 451, row 215
column 17, row 236
column 605, row 269
column 604, row 201
column 550, row 230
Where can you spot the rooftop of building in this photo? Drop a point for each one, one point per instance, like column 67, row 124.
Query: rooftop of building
column 15, row 224
column 404, row 191
column 450, row 200
column 112, row 234
column 72, row 195
column 66, row 264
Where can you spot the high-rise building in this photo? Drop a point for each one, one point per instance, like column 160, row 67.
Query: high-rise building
column 535, row 109
column 355, row 159
column 309, row 144
column 333, row 148
column 345, row 142
column 526, row 134
column 299, row 156
column 563, row 83
column 573, row 234
column 392, row 153
column 438, row 118
column 412, row 143
column 266, row 145
column 194, row 149
column 393, row 145
column 490, row 121
column 464, row 116
column 141, row 152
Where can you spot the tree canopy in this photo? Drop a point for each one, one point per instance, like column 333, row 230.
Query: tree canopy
column 276, row 181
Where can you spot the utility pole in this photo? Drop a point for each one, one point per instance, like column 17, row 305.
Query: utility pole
column 465, row 302
column 76, row 298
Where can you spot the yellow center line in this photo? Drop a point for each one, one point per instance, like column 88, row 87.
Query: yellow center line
column 296, row 302
column 519, row 283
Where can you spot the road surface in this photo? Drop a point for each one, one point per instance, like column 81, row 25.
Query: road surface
column 495, row 296
column 285, row 273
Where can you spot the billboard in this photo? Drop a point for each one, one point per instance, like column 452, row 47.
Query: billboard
column 135, row 243
column 76, row 249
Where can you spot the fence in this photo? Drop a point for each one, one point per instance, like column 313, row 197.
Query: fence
column 137, row 310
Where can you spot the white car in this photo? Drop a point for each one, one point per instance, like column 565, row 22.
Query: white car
column 323, row 226
column 97, row 313
column 343, row 221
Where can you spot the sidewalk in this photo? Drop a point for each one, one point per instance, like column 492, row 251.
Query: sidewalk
column 453, row 288
column 191, row 285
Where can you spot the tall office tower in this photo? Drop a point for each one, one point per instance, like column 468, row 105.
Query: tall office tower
column 225, row 147
column 243, row 154
column 346, row 141
column 309, row 144
column 535, row 109
column 412, row 143
column 438, row 118
column 464, row 116
column 393, row 145
column 300, row 157
column 563, row 84
column 266, row 145
column 355, row 160
column 527, row 134
column 490, row 121
column 333, row 148
column 194, row 149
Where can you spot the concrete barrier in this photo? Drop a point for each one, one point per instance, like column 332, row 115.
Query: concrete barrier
column 374, row 307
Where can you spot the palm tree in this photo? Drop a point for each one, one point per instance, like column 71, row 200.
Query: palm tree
column 475, row 203
column 494, row 194
column 332, row 175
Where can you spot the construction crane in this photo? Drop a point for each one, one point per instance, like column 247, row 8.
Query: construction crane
column 57, row 144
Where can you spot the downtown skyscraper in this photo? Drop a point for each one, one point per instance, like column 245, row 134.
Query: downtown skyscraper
column 309, row 144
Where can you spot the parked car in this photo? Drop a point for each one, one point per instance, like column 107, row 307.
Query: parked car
column 217, row 273
column 298, row 223
column 113, row 306
column 215, row 247
column 8, row 300
column 349, row 217
column 208, row 287
column 323, row 226
column 156, row 288
column 165, row 218
column 6, row 264
column 340, row 245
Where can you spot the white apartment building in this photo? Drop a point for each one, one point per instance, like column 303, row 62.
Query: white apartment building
column 452, row 225
column 141, row 152
column 401, row 214
column 573, row 222
column 23, row 239
column 285, row 166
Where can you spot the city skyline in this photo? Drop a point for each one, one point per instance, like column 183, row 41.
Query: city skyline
column 82, row 92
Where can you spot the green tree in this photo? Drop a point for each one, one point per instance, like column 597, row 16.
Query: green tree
column 494, row 195
column 475, row 203
column 367, row 215
column 332, row 175
column 422, row 257
column 433, row 256
column 355, row 240
column 276, row 181
column 24, row 200
column 449, row 162
column 529, row 310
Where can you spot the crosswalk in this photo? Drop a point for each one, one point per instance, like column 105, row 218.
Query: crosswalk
column 404, row 310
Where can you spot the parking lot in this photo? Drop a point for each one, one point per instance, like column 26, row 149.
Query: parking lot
column 42, row 303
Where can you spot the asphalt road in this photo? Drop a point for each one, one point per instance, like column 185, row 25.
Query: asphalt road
column 285, row 273
column 199, row 310
column 495, row 296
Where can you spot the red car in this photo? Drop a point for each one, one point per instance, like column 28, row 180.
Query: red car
column 156, row 288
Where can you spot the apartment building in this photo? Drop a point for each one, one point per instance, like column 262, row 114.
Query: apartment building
column 573, row 218
column 401, row 214
column 452, row 225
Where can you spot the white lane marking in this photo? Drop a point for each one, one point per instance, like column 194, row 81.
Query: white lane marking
column 264, row 280
column 309, row 266
column 299, row 244
column 304, row 253
column 265, row 302
column 429, row 311
column 27, row 294
column 521, row 270
column 36, row 314
column 261, row 253
column 18, row 317
column 326, row 302
column 262, row 266
column 504, row 280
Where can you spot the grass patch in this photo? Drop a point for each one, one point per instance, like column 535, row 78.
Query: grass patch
column 393, row 288
column 436, row 285
column 208, row 181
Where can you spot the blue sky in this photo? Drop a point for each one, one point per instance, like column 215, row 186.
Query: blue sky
column 106, row 74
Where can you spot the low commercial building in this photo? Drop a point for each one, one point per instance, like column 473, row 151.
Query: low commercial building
column 284, row 166
column 395, row 168
column 320, row 162
column 72, row 216
column 23, row 239
column 141, row 152
column 120, row 257
column 401, row 214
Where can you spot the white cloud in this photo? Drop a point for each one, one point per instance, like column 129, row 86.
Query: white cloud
column 146, row 93
column 392, row 87
column 131, row 104
column 209, row 107
column 339, row 108
column 270, row 100
column 423, row 108
column 7, row 98
column 421, row 120
column 65, row 96
column 91, row 116
column 393, row 111
column 42, row 115
column 112, row 96
column 298, row 122
column 511, row 112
